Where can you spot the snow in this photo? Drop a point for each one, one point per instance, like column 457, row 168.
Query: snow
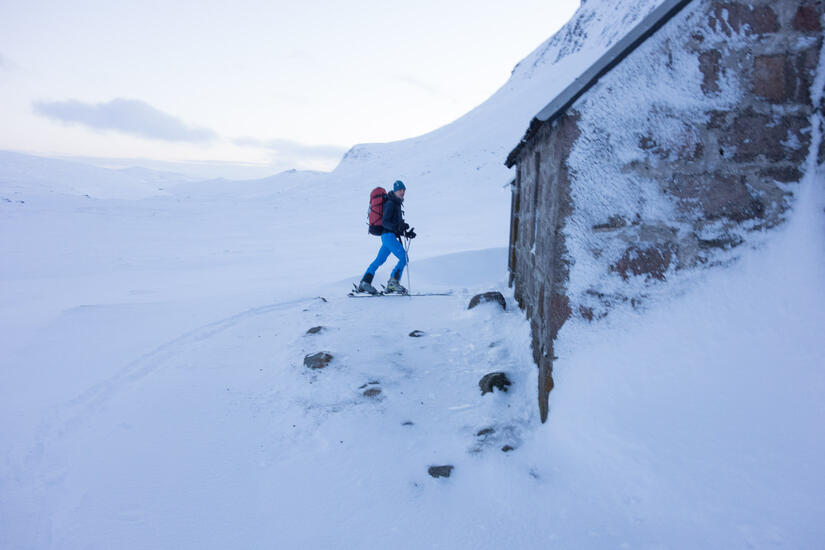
column 23, row 175
column 655, row 101
column 152, row 391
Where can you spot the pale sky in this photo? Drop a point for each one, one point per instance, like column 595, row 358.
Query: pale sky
column 274, row 85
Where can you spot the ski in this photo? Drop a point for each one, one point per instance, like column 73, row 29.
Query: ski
column 382, row 295
column 356, row 294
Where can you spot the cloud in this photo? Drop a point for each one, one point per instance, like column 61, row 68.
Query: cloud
column 293, row 148
column 128, row 116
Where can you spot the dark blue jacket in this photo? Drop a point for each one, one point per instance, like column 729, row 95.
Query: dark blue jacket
column 393, row 218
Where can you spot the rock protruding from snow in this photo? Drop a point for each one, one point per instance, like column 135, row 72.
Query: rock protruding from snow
column 504, row 437
column 318, row 360
column 315, row 330
column 440, row 471
column 492, row 380
column 417, row 333
column 372, row 392
column 493, row 296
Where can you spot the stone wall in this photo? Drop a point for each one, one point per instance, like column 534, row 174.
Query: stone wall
column 541, row 203
column 688, row 149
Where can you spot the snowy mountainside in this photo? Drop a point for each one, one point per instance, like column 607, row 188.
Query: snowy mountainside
column 469, row 152
column 464, row 160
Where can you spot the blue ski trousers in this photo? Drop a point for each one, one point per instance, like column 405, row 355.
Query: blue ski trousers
column 389, row 244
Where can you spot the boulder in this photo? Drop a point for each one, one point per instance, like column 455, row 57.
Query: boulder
column 417, row 333
column 372, row 392
column 315, row 330
column 493, row 296
column 318, row 360
column 492, row 380
column 440, row 471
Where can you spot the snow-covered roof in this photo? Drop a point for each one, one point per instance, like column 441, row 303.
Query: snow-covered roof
column 621, row 49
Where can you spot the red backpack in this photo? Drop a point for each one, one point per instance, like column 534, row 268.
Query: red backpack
column 376, row 212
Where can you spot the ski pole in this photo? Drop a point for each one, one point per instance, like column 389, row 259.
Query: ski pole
column 407, row 254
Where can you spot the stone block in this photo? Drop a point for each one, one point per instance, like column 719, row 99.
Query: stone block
column 820, row 158
column 718, row 119
column 689, row 146
column 805, row 69
column 709, row 65
column 774, row 78
column 728, row 197
column 536, row 340
column 807, row 18
column 754, row 135
column 541, row 301
column 716, row 195
column 559, row 313
column 653, row 262
column 613, row 223
column 783, row 174
column 546, row 383
column 735, row 18
column 797, row 137
column 724, row 242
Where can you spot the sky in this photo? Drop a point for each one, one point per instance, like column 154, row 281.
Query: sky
column 254, row 86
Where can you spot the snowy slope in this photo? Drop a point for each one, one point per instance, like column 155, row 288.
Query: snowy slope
column 22, row 176
column 464, row 161
column 152, row 391
column 677, row 429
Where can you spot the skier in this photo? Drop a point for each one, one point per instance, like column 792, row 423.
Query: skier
column 393, row 227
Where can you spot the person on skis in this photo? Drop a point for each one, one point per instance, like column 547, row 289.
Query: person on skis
column 393, row 227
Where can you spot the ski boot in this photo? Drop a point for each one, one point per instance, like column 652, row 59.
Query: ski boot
column 395, row 287
column 366, row 286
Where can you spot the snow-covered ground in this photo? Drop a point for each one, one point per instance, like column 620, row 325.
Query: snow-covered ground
column 153, row 392
column 154, row 395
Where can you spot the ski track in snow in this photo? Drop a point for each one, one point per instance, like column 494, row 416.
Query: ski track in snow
column 83, row 407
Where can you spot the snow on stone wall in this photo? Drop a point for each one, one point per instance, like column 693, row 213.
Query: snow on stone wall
column 690, row 148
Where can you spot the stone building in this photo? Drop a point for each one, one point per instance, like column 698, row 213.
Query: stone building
column 691, row 146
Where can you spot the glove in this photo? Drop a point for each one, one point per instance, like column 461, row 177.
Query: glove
column 410, row 234
column 404, row 227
